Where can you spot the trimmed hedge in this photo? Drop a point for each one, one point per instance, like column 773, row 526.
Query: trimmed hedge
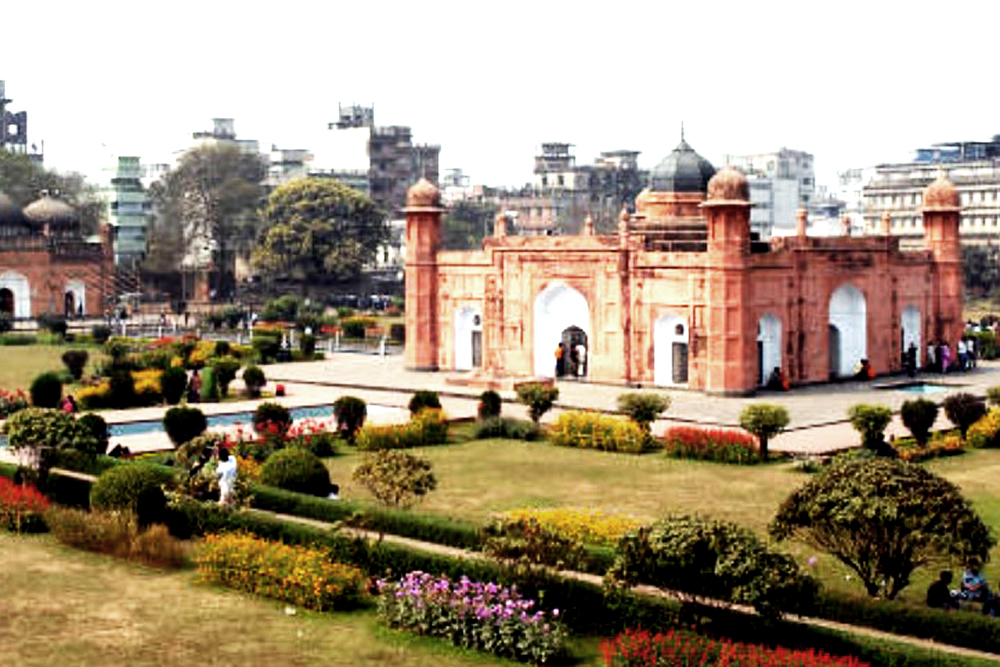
column 593, row 430
column 428, row 427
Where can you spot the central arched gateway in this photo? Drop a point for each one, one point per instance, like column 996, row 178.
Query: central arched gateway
column 557, row 308
column 848, row 330
column 468, row 339
column 670, row 351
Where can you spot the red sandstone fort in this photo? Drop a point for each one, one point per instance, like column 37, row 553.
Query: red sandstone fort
column 682, row 295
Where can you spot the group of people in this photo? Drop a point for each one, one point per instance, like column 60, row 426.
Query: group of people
column 940, row 358
column 973, row 588
column 571, row 360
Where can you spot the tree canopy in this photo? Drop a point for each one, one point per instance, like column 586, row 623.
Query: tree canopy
column 883, row 519
column 317, row 229
column 465, row 225
column 23, row 181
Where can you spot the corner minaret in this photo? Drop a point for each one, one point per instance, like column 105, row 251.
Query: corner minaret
column 942, row 212
column 423, row 234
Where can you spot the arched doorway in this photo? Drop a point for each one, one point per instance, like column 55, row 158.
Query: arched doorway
column 76, row 305
column 7, row 301
column 18, row 290
column 848, row 330
column 576, row 351
column 557, row 308
column 670, row 351
column 468, row 339
column 69, row 305
column 911, row 332
column 768, row 347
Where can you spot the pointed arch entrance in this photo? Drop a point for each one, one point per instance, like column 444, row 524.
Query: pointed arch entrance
column 17, row 291
column 76, row 305
column 6, row 301
column 558, row 307
column 768, row 347
column 670, row 351
column 911, row 332
column 468, row 338
column 848, row 330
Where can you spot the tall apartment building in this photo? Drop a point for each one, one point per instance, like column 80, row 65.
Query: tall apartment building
column 128, row 210
column 973, row 167
column 780, row 183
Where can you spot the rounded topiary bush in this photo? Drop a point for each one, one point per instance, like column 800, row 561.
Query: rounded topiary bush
column 183, row 423
column 209, row 386
column 133, row 488
column 350, row 412
column 46, row 390
column 75, row 361
column 964, row 410
column 490, row 404
column 121, row 392
column 424, row 398
column 38, row 429
column 99, row 428
column 173, row 382
column 296, row 469
column 100, row 333
column 271, row 416
column 918, row 416
column 254, row 380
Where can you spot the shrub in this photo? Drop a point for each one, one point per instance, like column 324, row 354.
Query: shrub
column 643, row 408
column 254, row 380
column 302, row 576
column 986, row 344
column 273, row 414
column 918, row 416
column 986, row 431
column 11, row 402
column 222, row 348
column 46, row 390
column 224, row 371
column 507, row 427
column 6, row 322
column 118, row 349
column 209, row 391
column 21, row 507
column 641, row 648
column 490, row 404
column 35, row 430
column 483, row 617
column 100, row 333
column 135, row 488
column 117, row 534
column 94, row 398
column 307, row 344
column 711, row 444
column 121, row 388
column 538, row 397
column 964, row 410
column 353, row 328
column 199, row 447
column 173, row 382
column 350, row 413
column 429, row 427
column 870, row 421
column 765, row 421
column 422, row 399
column 75, row 361
column 584, row 526
column 183, row 423
column 993, row 396
column 55, row 324
column 528, row 552
column 17, row 339
column 593, row 430
column 395, row 479
column 703, row 559
column 296, row 469
column 397, row 332
column 883, row 519
column 266, row 346
column 314, row 436
column 940, row 445
column 99, row 428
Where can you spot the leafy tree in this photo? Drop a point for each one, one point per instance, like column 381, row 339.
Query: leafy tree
column 33, row 432
column 642, row 408
column 703, row 559
column 918, row 416
column 211, row 196
column 538, row 397
column 963, row 410
column 870, row 421
column 765, row 421
column 980, row 269
column 23, row 181
column 396, row 479
column 465, row 224
column 883, row 519
column 318, row 229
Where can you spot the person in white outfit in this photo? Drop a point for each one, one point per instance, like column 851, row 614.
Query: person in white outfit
column 227, row 476
column 581, row 359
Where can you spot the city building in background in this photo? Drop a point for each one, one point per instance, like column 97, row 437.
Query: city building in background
column 128, row 211
column 780, row 184
column 223, row 133
column 14, row 130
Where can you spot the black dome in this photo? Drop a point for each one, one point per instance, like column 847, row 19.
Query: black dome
column 681, row 171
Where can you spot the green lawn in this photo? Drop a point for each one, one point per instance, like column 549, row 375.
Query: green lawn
column 22, row 363
column 480, row 478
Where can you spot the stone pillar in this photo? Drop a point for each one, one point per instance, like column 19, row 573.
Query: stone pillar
column 423, row 234
column 885, row 227
column 942, row 214
column 801, row 222
column 588, row 226
column 500, row 225
column 732, row 336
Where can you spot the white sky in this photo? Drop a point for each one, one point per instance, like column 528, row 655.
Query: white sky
column 854, row 83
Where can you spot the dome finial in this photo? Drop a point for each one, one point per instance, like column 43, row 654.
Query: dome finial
column 682, row 130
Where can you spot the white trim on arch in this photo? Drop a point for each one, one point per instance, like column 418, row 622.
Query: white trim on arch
column 557, row 307
column 21, row 289
column 849, row 314
column 668, row 329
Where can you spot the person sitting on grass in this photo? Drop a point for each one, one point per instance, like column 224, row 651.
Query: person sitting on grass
column 938, row 593
column 974, row 586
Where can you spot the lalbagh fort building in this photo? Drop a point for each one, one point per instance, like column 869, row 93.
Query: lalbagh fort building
column 683, row 295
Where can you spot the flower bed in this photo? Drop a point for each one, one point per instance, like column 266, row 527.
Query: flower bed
column 484, row 617
column 711, row 444
column 986, row 431
column 21, row 507
column 300, row 575
column 640, row 648
column 949, row 445
column 427, row 427
column 586, row 526
column 11, row 402
column 592, row 430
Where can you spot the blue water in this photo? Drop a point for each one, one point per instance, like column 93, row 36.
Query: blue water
column 917, row 387
column 228, row 419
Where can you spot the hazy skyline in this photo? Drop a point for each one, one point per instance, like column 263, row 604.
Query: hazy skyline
column 854, row 83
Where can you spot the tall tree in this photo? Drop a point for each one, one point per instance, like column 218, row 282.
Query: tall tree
column 319, row 230
column 465, row 224
column 23, row 181
column 212, row 196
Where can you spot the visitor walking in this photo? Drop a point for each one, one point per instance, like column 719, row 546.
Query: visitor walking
column 560, row 361
column 227, row 476
column 194, row 387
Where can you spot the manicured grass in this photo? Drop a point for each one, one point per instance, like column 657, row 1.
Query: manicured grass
column 22, row 363
column 480, row 478
column 62, row 606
